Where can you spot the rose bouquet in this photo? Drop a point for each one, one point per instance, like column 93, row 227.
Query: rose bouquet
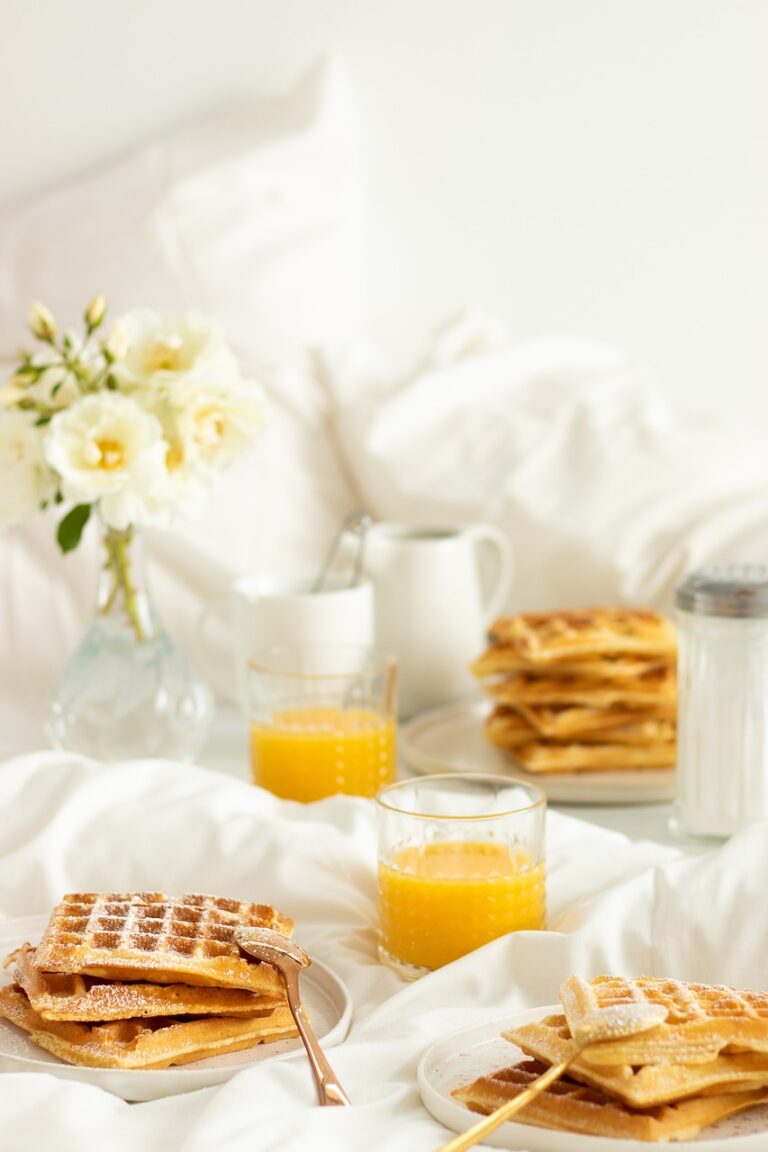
column 136, row 424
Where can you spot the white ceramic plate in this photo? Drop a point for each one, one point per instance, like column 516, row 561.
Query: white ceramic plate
column 323, row 993
column 463, row 1056
column 451, row 739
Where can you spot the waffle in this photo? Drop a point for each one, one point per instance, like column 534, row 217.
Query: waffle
column 504, row 659
column 639, row 726
column 155, row 1043
column 153, row 938
column 583, row 691
column 703, row 1020
column 544, row 637
column 60, row 996
column 655, row 690
column 508, row 728
column 548, row 756
column 643, row 1086
column 570, row 1106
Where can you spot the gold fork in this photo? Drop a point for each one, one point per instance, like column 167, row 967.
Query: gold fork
column 273, row 948
column 604, row 1024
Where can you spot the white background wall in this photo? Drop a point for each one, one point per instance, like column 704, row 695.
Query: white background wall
column 592, row 166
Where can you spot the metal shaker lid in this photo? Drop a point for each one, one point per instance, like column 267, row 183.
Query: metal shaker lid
column 725, row 590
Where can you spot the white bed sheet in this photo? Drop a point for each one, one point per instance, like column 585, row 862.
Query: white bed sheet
column 71, row 825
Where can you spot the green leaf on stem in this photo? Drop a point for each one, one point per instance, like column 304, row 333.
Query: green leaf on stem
column 71, row 527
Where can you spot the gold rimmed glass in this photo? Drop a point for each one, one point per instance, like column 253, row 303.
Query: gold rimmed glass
column 461, row 862
column 322, row 720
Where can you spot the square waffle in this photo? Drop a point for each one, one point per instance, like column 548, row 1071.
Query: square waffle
column 572, row 1107
column 66, row 996
column 504, row 659
column 654, row 690
column 511, row 727
column 703, row 1020
column 564, row 722
column 544, row 637
column 152, row 1043
column 548, row 756
column 642, row 1086
column 150, row 937
column 594, row 689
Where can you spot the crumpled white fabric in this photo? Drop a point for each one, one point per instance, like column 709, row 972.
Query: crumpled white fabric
column 69, row 824
column 606, row 492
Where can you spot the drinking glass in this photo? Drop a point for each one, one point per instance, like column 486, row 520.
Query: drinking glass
column 322, row 720
column 461, row 862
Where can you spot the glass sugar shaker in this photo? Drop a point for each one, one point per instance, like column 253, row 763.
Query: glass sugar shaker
column 722, row 757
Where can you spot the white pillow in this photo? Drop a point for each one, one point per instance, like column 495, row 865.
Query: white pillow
column 606, row 494
column 249, row 216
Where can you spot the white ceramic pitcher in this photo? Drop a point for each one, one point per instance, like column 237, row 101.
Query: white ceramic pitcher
column 437, row 590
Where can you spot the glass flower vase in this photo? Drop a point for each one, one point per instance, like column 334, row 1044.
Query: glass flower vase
column 128, row 692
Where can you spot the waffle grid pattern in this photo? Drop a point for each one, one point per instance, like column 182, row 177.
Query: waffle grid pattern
column 127, row 935
column 687, row 1071
column 573, row 1107
column 703, row 1020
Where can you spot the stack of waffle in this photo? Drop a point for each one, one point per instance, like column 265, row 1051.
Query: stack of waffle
column 142, row 980
column 582, row 690
column 708, row 1060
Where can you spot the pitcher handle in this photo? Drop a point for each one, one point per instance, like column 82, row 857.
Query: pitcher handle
column 217, row 610
column 488, row 536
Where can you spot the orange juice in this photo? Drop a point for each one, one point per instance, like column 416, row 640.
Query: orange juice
column 440, row 901
column 307, row 753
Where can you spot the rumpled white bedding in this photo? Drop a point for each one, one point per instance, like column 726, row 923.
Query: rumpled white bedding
column 69, row 824
column 606, row 491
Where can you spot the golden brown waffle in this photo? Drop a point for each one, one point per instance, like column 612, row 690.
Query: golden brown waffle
column 655, row 690
column 66, row 996
column 645, row 1086
column 596, row 688
column 504, row 659
column 703, row 1020
column 508, row 728
column 155, row 1043
column 548, row 756
column 154, row 938
column 569, row 1106
column 544, row 637
column 640, row 726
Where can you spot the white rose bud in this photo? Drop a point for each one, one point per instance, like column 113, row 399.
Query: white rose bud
column 95, row 312
column 42, row 323
column 23, row 378
column 116, row 344
column 11, row 393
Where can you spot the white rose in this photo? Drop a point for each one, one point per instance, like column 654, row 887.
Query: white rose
column 107, row 448
column 164, row 349
column 214, row 425
column 27, row 481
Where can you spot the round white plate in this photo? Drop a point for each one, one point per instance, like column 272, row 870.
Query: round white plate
column 324, row 995
column 451, row 739
column 463, row 1056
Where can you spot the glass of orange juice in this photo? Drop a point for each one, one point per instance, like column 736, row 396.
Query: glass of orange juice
column 322, row 720
column 461, row 862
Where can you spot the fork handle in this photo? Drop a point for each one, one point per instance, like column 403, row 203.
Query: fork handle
column 329, row 1090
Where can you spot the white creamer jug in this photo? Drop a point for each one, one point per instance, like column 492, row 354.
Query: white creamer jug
column 436, row 591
